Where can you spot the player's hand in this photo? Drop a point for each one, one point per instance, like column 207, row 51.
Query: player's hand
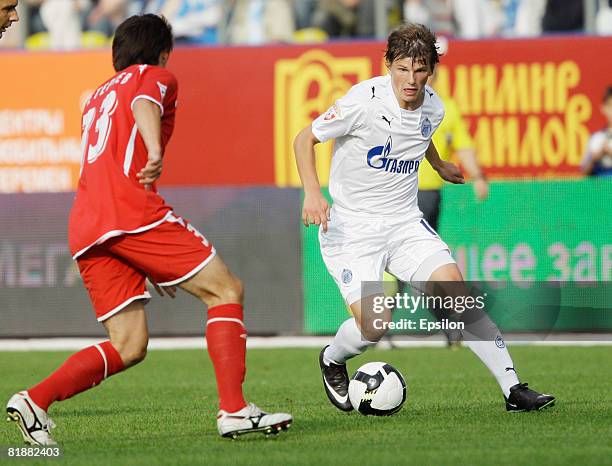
column 481, row 188
column 169, row 290
column 315, row 210
column 152, row 169
column 450, row 172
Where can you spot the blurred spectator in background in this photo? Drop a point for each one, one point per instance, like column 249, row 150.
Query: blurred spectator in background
column 438, row 14
column 366, row 18
column 474, row 19
column 62, row 20
column 70, row 24
column 146, row 6
column 353, row 18
column 106, row 15
column 603, row 20
column 303, row 12
column 367, row 12
column 598, row 158
column 529, row 16
column 8, row 14
column 338, row 18
column 563, row 16
column 193, row 21
column 257, row 22
column 416, row 11
column 478, row 18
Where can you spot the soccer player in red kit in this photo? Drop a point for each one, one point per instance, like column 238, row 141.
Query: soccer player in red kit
column 121, row 231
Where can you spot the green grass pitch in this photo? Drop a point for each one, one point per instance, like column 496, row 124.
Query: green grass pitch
column 163, row 411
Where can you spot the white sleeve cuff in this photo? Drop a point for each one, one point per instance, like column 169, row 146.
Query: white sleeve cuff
column 317, row 134
column 150, row 99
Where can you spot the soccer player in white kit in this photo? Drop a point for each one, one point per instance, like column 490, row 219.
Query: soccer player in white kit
column 382, row 129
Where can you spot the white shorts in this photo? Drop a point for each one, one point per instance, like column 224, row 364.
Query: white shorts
column 358, row 249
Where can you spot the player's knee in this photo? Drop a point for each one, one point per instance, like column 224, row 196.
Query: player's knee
column 225, row 291
column 447, row 273
column 235, row 290
column 375, row 328
column 232, row 291
column 134, row 355
column 454, row 275
column 373, row 324
column 131, row 352
column 374, row 333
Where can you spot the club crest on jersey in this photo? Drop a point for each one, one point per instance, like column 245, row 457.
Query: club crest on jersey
column 378, row 158
column 426, row 127
column 162, row 90
column 347, row 276
column 333, row 113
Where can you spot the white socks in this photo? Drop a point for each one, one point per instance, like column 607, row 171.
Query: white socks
column 497, row 359
column 347, row 343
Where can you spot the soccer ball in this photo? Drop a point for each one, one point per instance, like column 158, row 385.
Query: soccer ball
column 378, row 389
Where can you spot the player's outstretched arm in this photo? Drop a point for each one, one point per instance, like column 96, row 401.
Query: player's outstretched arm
column 448, row 171
column 148, row 119
column 316, row 208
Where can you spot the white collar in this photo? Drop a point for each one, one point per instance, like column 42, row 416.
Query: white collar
column 391, row 99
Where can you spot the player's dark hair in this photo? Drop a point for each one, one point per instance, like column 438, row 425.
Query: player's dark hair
column 413, row 41
column 607, row 95
column 140, row 39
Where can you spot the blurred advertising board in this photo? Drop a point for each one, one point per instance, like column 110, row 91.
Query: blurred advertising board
column 255, row 231
column 530, row 105
column 530, row 234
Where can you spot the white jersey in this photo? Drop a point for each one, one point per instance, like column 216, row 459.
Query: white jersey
column 378, row 149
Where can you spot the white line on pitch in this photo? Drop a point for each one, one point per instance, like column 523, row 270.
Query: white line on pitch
column 71, row 344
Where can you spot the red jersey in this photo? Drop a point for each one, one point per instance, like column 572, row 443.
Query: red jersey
column 109, row 199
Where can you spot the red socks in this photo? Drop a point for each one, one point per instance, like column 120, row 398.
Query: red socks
column 80, row 372
column 226, row 341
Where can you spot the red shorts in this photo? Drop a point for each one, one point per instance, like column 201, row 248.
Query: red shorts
column 114, row 272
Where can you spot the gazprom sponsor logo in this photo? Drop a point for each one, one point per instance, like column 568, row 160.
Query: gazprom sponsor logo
column 378, row 158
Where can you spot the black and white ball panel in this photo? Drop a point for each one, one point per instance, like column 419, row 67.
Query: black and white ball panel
column 377, row 389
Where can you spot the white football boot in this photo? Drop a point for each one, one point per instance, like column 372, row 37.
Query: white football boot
column 31, row 420
column 251, row 419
